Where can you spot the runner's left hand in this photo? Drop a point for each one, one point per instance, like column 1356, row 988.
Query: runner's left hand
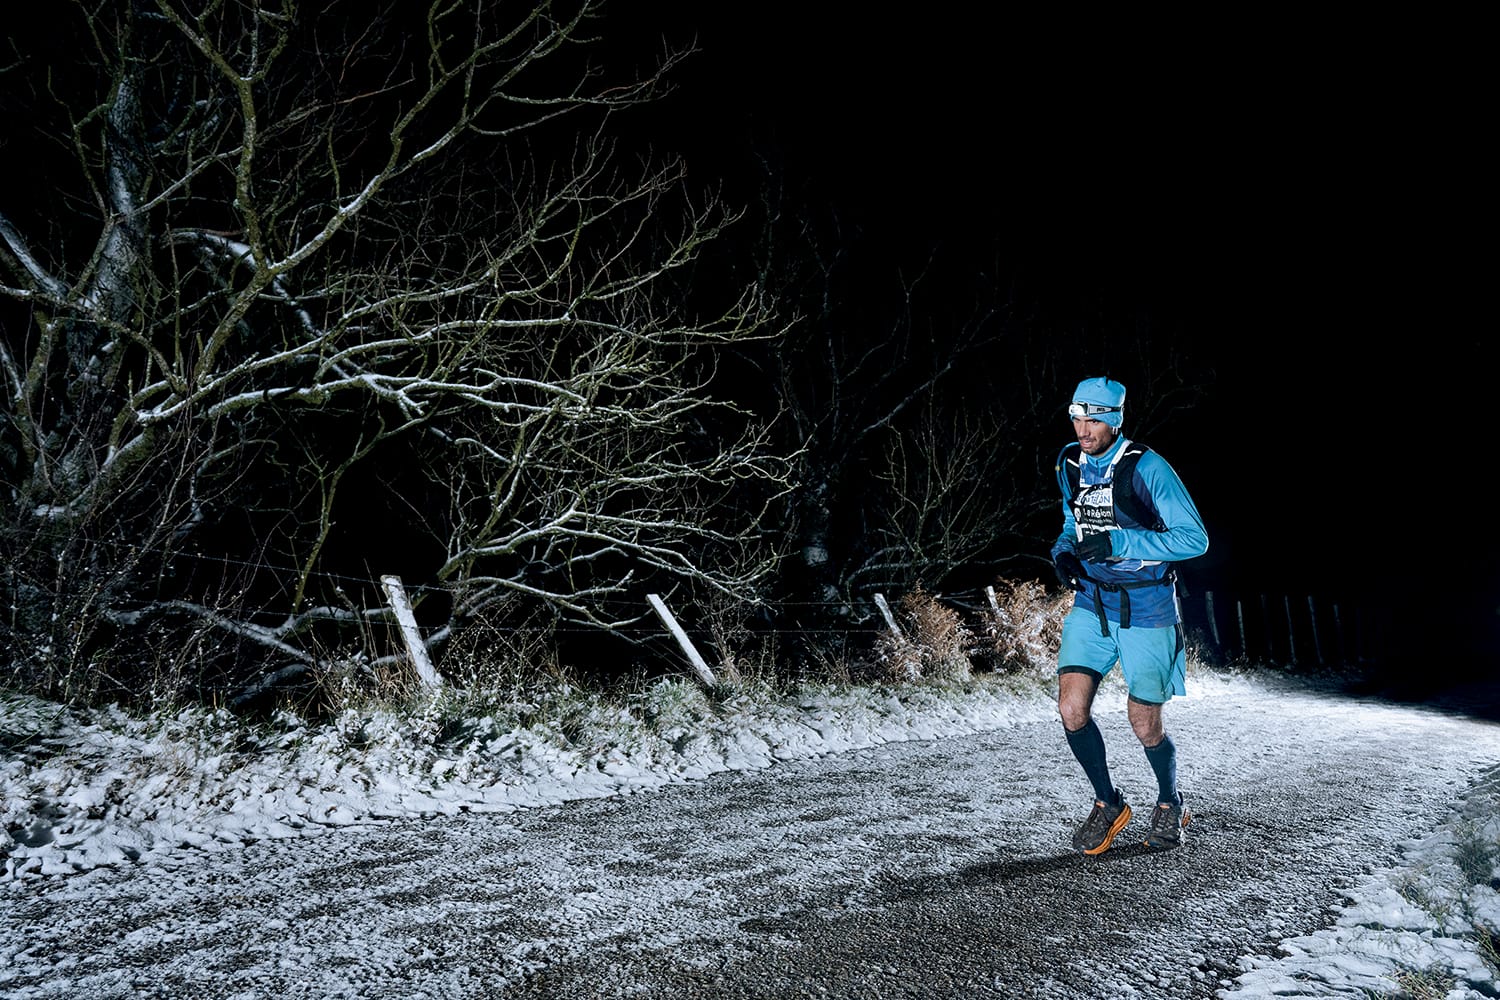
column 1095, row 548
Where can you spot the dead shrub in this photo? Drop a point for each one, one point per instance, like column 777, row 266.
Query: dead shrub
column 897, row 658
column 1025, row 630
column 934, row 645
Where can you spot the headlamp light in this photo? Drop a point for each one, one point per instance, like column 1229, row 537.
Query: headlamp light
column 1077, row 410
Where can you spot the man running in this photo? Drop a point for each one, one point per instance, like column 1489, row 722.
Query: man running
column 1126, row 519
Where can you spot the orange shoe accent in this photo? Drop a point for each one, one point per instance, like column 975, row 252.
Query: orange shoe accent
column 1116, row 827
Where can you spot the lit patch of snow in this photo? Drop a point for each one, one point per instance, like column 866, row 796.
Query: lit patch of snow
column 80, row 793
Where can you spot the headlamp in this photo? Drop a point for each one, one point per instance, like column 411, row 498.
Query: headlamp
column 1078, row 410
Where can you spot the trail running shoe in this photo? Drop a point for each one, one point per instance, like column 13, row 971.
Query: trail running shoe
column 1098, row 831
column 1168, row 823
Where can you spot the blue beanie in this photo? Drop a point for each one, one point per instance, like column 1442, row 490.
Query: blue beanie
column 1102, row 392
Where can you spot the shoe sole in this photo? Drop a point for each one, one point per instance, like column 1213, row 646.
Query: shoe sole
column 1163, row 842
column 1116, row 827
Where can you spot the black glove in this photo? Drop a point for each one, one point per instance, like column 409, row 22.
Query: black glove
column 1069, row 570
column 1095, row 548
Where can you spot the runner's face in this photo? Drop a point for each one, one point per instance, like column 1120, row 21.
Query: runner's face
column 1095, row 436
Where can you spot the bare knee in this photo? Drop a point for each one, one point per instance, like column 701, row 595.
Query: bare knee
column 1074, row 715
column 1075, row 699
column 1147, row 723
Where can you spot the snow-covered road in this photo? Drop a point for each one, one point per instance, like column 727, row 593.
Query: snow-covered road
column 936, row 868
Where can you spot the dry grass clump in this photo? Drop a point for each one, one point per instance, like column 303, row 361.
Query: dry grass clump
column 1489, row 947
column 933, row 646
column 1025, row 629
column 1436, row 983
column 1474, row 853
column 500, row 660
column 897, row 658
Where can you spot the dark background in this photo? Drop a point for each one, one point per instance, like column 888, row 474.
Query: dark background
column 1292, row 206
column 1295, row 202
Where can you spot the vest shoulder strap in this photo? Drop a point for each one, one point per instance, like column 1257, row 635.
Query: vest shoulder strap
column 1133, row 506
column 1067, row 469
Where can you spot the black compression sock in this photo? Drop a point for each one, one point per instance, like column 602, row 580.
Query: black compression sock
column 1163, row 759
column 1087, row 745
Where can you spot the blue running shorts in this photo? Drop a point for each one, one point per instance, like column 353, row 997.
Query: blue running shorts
column 1153, row 660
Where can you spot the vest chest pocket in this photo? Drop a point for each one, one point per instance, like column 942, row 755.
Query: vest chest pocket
column 1094, row 509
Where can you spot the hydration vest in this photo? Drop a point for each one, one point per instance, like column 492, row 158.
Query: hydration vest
column 1127, row 502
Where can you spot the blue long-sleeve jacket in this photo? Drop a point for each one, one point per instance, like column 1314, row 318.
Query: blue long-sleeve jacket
column 1140, row 554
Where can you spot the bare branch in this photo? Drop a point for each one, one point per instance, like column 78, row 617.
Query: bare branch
column 323, row 291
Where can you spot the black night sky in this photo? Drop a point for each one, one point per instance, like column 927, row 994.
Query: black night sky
column 1290, row 200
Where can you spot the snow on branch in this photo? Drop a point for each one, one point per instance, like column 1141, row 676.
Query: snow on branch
column 299, row 295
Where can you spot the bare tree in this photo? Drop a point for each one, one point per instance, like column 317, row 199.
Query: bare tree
column 950, row 500
column 926, row 383
column 298, row 289
column 913, row 395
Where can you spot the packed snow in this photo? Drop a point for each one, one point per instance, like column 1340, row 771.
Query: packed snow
column 85, row 792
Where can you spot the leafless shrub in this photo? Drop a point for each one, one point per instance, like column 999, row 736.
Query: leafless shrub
column 743, row 653
column 1025, row 627
column 839, row 658
column 503, row 657
column 934, row 645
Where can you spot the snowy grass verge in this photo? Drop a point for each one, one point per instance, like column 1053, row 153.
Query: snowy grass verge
column 1427, row 928
column 83, row 790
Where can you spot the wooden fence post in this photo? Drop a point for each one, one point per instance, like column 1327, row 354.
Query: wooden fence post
column 700, row 666
column 1213, row 620
column 1291, row 631
column 890, row 619
column 994, row 603
column 410, row 634
column 1239, row 609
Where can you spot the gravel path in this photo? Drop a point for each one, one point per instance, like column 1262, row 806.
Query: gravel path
column 924, row 869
